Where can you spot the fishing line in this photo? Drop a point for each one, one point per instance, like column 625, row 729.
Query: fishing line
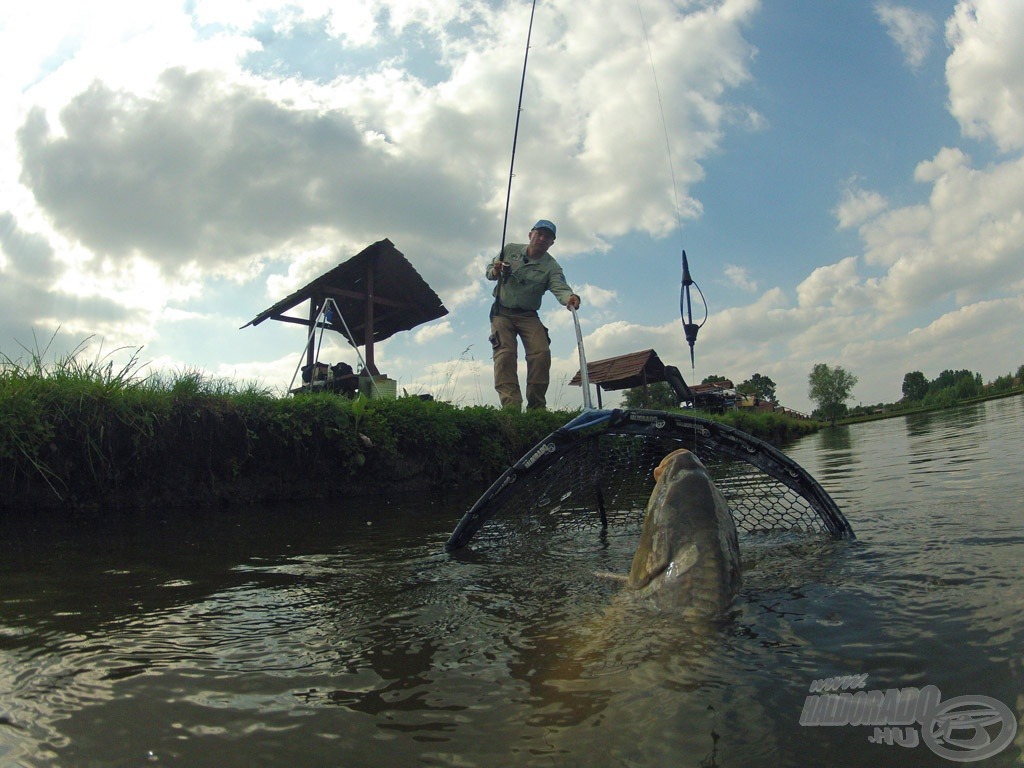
column 685, row 304
column 690, row 328
column 664, row 122
column 515, row 135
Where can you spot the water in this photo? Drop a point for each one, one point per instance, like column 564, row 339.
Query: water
column 338, row 636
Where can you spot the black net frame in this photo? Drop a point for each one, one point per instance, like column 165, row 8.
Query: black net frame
column 597, row 472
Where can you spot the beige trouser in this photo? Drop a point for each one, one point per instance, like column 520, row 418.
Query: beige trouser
column 537, row 345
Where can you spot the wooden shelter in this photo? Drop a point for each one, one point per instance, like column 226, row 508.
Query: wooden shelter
column 378, row 294
column 633, row 370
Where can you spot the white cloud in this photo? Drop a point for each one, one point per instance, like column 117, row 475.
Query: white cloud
column 825, row 284
column 858, row 206
column 153, row 155
column 985, row 71
column 432, row 331
column 911, row 30
column 739, row 277
column 967, row 243
column 596, row 297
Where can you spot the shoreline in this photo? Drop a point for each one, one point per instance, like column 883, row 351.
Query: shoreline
column 85, row 447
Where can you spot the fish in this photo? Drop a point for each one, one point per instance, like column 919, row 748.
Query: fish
column 688, row 556
column 671, row 608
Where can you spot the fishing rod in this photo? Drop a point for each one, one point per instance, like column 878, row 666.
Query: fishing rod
column 515, row 134
column 503, row 276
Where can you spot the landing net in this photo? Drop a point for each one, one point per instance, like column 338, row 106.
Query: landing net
column 597, row 473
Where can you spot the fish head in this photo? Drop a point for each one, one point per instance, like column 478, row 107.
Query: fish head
column 688, row 552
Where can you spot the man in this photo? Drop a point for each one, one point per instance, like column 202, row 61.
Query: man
column 524, row 272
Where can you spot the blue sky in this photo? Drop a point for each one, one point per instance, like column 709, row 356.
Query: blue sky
column 849, row 181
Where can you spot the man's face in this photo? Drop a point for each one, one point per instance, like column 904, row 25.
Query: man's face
column 541, row 240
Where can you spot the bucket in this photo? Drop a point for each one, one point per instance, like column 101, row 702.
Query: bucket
column 381, row 387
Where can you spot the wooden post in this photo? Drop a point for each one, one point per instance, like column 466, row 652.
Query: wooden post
column 315, row 304
column 371, row 269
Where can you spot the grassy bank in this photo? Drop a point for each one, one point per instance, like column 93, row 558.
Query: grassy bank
column 908, row 410
column 775, row 428
column 85, row 443
column 89, row 435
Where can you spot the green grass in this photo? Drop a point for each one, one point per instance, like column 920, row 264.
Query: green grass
column 82, row 429
column 79, row 429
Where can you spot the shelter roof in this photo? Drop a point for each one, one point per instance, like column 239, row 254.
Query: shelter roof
column 624, row 371
column 716, row 386
column 377, row 291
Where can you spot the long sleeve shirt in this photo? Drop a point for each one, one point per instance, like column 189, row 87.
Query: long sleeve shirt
column 529, row 279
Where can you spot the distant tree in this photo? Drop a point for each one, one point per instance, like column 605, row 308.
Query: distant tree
column 955, row 385
column 830, row 388
column 759, row 386
column 952, row 379
column 915, row 386
column 1002, row 383
column 714, row 379
column 968, row 387
column 657, row 396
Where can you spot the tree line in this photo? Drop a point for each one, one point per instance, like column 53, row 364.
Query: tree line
column 830, row 387
column 660, row 395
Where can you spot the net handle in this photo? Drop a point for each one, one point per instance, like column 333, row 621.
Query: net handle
column 584, row 373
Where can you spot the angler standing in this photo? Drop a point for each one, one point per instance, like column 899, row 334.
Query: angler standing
column 524, row 272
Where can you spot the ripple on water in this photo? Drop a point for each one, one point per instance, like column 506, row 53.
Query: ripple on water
column 311, row 645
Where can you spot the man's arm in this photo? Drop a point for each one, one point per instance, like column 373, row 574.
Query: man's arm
column 560, row 288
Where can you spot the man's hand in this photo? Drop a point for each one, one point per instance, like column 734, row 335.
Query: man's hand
column 573, row 302
column 500, row 268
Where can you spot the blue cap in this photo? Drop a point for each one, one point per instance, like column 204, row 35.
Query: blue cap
column 545, row 224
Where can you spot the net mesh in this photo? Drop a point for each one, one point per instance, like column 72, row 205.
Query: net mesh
column 599, row 474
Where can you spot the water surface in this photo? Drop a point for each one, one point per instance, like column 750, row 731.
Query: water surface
column 340, row 635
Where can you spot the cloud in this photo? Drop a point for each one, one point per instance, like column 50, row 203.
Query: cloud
column 985, row 71
column 739, row 277
column 211, row 173
column 34, row 305
column 597, row 297
column 211, row 170
column 858, row 206
column 826, row 284
column 911, row 30
column 967, row 243
column 28, row 255
column 433, row 331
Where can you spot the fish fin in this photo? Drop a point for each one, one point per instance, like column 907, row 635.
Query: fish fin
column 651, row 558
column 684, row 561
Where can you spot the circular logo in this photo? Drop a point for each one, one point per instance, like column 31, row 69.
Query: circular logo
column 969, row 728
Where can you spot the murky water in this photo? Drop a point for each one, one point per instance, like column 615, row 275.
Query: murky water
column 342, row 636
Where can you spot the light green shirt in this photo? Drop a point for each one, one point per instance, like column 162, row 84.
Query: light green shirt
column 529, row 279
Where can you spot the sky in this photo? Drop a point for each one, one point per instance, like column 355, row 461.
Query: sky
column 845, row 177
